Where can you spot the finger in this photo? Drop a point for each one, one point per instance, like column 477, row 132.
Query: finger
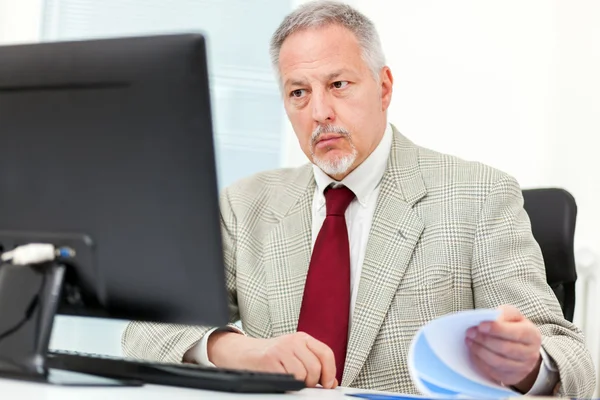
column 499, row 364
column 522, row 332
column 502, row 378
column 327, row 360
column 293, row 366
column 274, row 366
column 510, row 313
column 485, row 369
column 505, row 348
column 311, row 363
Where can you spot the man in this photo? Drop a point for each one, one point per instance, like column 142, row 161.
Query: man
column 333, row 267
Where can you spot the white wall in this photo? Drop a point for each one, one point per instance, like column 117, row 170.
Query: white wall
column 20, row 21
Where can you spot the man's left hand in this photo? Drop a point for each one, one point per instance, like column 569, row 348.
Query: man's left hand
column 507, row 350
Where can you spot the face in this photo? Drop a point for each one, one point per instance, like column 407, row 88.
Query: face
column 336, row 106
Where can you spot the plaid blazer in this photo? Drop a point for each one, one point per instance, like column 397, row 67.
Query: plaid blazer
column 447, row 235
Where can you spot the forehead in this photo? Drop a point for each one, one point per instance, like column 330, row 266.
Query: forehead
column 317, row 52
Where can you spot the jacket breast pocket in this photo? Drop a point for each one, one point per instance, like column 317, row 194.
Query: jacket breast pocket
column 426, row 297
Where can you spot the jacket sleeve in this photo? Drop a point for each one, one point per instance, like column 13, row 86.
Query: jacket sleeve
column 508, row 268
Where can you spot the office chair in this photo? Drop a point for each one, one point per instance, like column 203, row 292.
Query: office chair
column 553, row 213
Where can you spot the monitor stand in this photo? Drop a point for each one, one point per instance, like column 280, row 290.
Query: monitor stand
column 29, row 298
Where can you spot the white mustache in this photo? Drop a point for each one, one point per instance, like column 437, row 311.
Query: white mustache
column 321, row 129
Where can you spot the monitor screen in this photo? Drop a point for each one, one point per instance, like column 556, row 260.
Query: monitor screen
column 107, row 146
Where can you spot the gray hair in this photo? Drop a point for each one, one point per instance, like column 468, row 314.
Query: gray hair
column 318, row 14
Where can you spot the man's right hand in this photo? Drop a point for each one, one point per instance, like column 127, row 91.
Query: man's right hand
column 298, row 353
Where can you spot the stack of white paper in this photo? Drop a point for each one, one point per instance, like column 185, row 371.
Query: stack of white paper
column 439, row 362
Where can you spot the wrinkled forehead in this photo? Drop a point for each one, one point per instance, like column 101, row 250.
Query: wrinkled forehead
column 319, row 53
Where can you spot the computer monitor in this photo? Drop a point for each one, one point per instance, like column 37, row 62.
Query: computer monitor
column 106, row 146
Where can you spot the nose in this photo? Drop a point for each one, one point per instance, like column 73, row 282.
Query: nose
column 322, row 108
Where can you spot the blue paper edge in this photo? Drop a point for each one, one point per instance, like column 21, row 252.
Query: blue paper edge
column 377, row 396
column 425, row 358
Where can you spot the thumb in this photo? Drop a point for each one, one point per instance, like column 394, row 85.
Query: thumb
column 510, row 313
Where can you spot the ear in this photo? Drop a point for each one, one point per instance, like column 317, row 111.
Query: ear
column 387, row 81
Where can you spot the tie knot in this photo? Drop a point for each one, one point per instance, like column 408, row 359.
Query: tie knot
column 337, row 200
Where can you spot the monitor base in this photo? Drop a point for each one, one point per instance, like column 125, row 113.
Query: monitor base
column 29, row 298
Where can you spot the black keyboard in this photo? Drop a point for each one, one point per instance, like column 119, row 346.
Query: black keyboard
column 181, row 375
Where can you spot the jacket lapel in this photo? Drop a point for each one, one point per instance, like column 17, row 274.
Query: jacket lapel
column 288, row 250
column 394, row 234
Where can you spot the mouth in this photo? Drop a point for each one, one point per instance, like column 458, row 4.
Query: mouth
column 327, row 140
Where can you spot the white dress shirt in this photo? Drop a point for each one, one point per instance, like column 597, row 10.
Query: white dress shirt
column 365, row 181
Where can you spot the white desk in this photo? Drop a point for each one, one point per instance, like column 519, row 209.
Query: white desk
column 13, row 389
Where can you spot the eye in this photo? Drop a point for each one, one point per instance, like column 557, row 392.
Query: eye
column 340, row 84
column 297, row 93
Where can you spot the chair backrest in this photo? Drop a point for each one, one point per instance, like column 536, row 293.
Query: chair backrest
column 553, row 213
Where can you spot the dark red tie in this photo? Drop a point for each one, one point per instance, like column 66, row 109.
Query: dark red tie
column 326, row 301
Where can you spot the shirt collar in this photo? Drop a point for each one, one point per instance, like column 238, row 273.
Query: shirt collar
column 365, row 178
